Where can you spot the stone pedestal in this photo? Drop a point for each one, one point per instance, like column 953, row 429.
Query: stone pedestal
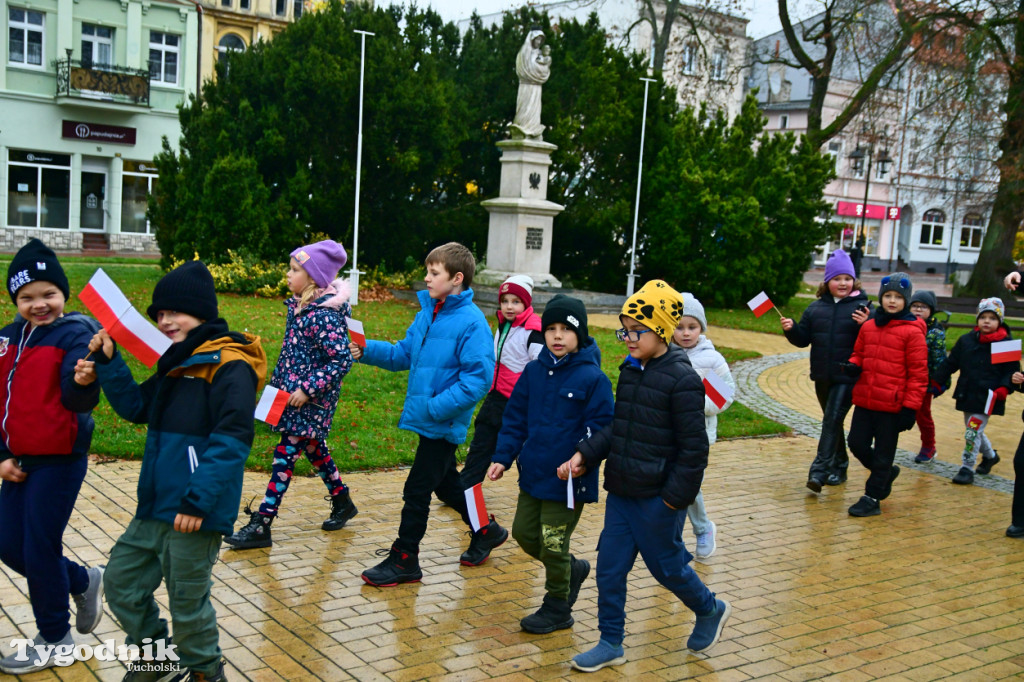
column 519, row 235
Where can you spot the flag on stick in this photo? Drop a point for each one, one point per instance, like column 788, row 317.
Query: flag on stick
column 476, row 507
column 571, row 502
column 760, row 304
column 271, row 405
column 122, row 321
column 717, row 390
column 1006, row 351
column 355, row 332
column 990, row 403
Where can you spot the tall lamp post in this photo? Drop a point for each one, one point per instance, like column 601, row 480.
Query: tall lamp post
column 354, row 272
column 952, row 223
column 857, row 156
column 631, row 278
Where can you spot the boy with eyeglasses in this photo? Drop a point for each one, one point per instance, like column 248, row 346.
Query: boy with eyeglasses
column 656, row 450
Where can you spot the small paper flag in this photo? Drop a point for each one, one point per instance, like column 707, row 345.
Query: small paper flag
column 476, row 507
column 121, row 320
column 355, row 332
column 572, row 496
column 990, row 403
column 717, row 390
column 760, row 304
column 1006, row 351
column 271, row 405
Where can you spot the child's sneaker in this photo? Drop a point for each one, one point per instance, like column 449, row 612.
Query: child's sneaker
column 708, row 629
column 89, row 604
column 964, row 477
column 986, row 464
column 32, row 661
column 399, row 567
column 483, row 541
column 603, row 654
column 865, row 506
column 926, row 455
column 706, row 543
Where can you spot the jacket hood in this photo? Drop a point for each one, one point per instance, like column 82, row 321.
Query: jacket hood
column 453, row 301
column 527, row 319
column 239, row 346
column 704, row 345
column 589, row 353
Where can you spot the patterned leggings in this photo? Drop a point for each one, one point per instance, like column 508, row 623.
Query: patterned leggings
column 286, row 454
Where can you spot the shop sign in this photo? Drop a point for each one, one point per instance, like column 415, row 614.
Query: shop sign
column 97, row 132
column 849, row 208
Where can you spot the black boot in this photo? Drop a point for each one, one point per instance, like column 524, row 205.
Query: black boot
column 553, row 614
column 399, row 567
column 483, row 541
column 578, row 573
column 342, row 510
column 254, row 534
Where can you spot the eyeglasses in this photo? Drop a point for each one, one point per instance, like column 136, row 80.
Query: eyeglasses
column 631, row 334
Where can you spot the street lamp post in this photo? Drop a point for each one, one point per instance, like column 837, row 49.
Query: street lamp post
column 858, row 155
column 354, row 272
column 631, row 278
column 952, row 222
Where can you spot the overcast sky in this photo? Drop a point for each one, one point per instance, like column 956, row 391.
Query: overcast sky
column 763, row 14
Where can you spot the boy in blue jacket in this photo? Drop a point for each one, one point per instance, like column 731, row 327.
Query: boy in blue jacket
column 450, row 359
column 199, row 409
column 561, row 398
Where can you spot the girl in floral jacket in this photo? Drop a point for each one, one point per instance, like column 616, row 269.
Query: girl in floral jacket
column 314, row 359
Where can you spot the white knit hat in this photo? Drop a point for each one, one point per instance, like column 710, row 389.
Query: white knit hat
column 693, row 308
column 518, row 285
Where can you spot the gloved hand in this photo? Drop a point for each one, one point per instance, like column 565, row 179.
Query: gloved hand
column 906, row 419
column 935, row 389
column 848, row 369
column 1001, row 393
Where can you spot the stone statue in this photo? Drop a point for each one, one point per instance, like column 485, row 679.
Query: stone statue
column 533, row 66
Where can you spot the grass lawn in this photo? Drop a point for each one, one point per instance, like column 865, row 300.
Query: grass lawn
column 364, row 433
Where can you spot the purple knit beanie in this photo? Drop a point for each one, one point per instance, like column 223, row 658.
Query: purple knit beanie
column 322, row 260
column 839, row 263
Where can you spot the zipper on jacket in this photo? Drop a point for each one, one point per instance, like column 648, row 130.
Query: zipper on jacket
column 10, row 379
column 632, row 409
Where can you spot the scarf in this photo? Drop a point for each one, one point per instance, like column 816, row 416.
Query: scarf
column 183, row 350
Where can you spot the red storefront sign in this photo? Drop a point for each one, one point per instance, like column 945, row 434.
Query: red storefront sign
column 97, row 132
column 849, row 208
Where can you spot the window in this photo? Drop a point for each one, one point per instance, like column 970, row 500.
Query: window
column 296, row 9
column 783, row 121
column 719, row 64
column 280, row 7
column 243, row 4
column 97, row 46
column 38, row 189
column 25, row 30
column 139, row 179
column 163, row 57
column 972, row 231
column 229, row 43
column 689, row 60
column 833, row 150
column 225, row 3
column 932, row 224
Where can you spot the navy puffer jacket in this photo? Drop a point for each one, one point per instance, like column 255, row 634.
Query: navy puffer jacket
column 830, row 330
column 972, row 357
column 656, row 444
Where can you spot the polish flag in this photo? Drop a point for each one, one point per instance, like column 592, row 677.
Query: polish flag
column 122, row 321
column 476, row 507
column 271, row 405
column 760, row 304
column 990, row 404
column 716, row 389
column 1006, row 351
column 355, row 332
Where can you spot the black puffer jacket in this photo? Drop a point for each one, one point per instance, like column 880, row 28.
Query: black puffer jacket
column 973, row 359
column 656, row 443
column 829, row 328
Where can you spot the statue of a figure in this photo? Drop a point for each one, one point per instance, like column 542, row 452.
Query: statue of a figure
column 533, row 66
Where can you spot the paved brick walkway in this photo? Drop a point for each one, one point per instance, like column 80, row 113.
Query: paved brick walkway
column 929, row 590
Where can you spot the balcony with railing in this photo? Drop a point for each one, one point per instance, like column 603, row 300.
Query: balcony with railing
column 87, row 80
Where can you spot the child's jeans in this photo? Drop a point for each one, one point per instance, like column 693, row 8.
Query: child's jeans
column 433, row 472
column 881, row 428
column 148, row 552
column 286, row 454
column 975, row 439
column 33, row 516
column 649, row 527
column 835, row 401
column 543, row 529
column 698, row 516
column 925, row 423
column 485, row 439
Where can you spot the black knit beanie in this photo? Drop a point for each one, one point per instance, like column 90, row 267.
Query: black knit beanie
column 570, row 312
column 36, row 262
column 187, row 288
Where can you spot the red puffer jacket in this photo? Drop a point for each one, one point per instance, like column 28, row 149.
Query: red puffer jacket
column 894, row 360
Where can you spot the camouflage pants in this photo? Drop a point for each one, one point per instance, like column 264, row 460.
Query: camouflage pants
column 543, row 528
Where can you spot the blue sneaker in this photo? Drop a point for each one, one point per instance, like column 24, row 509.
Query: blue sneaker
column 708, row 629
column 603, row 654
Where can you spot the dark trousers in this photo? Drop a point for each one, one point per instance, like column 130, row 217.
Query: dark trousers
column 485, row 439
column 33, row 516
column 433, row 472
column 835, row 401
column 1018, row 485
column 880, row 427
column 648, row 527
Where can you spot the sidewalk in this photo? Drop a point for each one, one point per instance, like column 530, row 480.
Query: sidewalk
column 929, row 590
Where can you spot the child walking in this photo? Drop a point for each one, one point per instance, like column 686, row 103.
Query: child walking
column 656, row 450
column 562, row 398
column 829, row 326
column 45, row 433
column 314, row 359
column 972, row 357
column 517, row 341
column 923, row 305
column 448, row 353
column 689, row 335
column 893, row 361
column 199, row 408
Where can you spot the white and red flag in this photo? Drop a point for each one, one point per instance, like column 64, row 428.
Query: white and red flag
column 1006, row 351
column 760, row 304
column 990, row 404
column 122, row 321
column 717, row 390
column 271, row 405
column 355, row 332
column 476, row 507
